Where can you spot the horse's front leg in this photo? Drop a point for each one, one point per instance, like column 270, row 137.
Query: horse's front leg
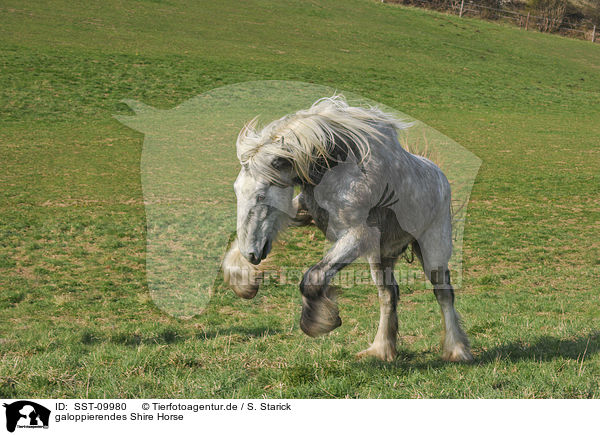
column 320, row 313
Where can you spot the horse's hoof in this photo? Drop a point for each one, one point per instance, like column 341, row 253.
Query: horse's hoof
column 460, row 353
column 319, row 316
column 242, row 276
column 246, row 291
column 302, row 219
column 380, row 352
column 316, row 328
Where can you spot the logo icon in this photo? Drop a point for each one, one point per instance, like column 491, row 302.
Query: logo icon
column 26, row 414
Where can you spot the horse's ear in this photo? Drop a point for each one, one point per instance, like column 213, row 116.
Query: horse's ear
column 281, row 164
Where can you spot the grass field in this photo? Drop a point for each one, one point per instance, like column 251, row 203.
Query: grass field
column 76, row 318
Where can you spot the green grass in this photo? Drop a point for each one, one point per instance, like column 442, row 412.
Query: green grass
column 76, row 317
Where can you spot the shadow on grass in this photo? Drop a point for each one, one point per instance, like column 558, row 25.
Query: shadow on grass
column 250, row 332
column 173, row 335
column 544, row 348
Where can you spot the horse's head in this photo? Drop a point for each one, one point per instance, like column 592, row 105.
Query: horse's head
column 264, row 206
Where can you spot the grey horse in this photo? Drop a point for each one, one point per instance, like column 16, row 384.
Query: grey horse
column 370, row 197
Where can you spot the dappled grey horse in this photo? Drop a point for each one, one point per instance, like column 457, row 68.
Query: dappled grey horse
column 368, row 195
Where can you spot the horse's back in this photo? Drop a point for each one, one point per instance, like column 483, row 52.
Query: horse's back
column 422, row 189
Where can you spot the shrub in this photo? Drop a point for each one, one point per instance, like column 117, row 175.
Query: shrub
column 552, row 13
column 592, row 11
column 489, row 14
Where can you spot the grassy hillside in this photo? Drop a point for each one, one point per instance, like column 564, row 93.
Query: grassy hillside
column 76, row 318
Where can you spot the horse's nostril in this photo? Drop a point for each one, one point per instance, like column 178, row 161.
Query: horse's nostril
column 253, row 258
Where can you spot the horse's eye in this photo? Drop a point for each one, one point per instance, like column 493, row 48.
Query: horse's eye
column 260, row 197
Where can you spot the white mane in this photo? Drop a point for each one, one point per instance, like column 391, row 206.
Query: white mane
column 311, row 135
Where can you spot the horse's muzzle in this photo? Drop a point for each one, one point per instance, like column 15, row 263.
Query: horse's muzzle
column 255, row 257
column 252, row 258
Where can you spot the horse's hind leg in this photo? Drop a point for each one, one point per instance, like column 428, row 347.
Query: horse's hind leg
column 434, row 251
column 384, row 345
